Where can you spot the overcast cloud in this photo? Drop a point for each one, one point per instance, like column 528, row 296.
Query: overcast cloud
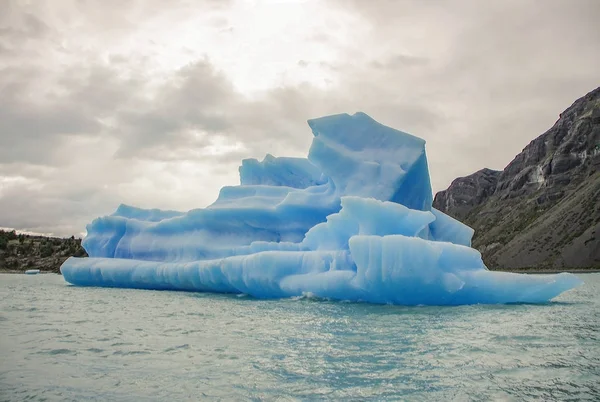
column 155, row 103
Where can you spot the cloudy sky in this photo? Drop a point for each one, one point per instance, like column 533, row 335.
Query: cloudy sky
column 154, row 103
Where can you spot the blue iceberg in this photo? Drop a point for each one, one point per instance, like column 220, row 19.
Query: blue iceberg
column 353, row 221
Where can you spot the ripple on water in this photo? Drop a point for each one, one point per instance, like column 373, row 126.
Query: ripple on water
column 143, row 345
column 131, row 352
column 54, row 352
column 121, row 344
column 176, row 348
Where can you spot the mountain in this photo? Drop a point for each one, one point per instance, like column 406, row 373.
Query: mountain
column 543, row 209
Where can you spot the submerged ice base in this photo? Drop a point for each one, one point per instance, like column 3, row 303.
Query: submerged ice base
column 353, row 221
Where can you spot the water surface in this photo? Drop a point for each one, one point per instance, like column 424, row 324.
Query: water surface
column 60, row 342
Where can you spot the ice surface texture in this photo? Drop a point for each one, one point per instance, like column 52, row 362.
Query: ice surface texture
column 352, row 222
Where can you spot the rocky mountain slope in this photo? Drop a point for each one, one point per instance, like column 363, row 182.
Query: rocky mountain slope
column 543, row 209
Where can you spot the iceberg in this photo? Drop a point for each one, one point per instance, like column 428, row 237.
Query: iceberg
column 352, row 221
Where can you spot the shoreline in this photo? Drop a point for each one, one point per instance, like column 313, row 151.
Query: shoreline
column 549, row 271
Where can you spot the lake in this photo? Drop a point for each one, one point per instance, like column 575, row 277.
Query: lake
column 60, row 342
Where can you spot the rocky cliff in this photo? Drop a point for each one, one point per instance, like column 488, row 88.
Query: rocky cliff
column 543, row 209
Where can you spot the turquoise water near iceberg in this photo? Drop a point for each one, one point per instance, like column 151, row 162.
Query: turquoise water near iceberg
column 61, row 342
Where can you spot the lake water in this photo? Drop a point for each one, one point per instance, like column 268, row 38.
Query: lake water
column 60, row 342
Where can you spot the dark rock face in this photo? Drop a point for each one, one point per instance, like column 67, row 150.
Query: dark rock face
column 543, row 209
column 465, row 193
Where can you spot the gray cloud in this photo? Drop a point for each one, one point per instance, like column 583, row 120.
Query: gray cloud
column 83, row 128
column 399, row 61
column 498, row 73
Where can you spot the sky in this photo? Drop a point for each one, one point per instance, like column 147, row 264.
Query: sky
column 154, row 104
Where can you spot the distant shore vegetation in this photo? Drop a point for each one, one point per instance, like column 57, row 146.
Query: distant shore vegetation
column 20, row 252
